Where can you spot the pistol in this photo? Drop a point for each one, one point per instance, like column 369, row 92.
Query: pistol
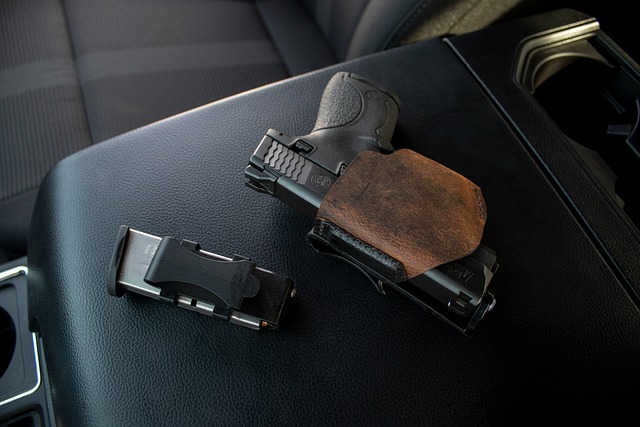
column 356, row 116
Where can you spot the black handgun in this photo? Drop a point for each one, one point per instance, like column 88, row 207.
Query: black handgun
column 355, row 116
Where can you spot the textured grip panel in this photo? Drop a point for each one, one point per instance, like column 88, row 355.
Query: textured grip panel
column 341, row 103
column 352, row 105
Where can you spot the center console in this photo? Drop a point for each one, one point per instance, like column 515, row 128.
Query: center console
column 541, row 114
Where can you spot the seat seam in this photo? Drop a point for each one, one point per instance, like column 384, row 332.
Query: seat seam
column 408, row 22
column 74, row 57
column 461, row 18
column 20, row 193
column 266, row 30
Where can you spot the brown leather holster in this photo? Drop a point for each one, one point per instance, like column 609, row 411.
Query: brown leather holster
column 398, row 215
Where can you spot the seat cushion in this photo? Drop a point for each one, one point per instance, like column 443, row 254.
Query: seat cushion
column 144, row 60
column 42, row 115
column 99, row 68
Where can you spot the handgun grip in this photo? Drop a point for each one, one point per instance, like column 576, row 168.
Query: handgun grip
column 351, row 104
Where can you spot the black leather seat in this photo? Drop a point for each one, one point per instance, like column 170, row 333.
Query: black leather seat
column 76, row 72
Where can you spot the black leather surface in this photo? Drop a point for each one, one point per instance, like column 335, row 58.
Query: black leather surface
column 561, row 344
